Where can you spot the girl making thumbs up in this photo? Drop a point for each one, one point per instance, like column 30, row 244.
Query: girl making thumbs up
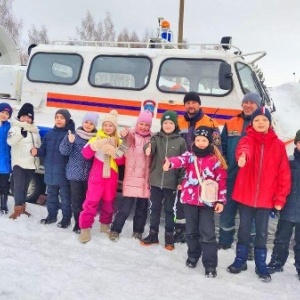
column 77, row 169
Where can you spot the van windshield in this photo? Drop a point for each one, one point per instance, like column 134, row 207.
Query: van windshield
column 183, row 75
column 127, row 72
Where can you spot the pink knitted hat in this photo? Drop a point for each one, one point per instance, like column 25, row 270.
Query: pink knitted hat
column 145, row 116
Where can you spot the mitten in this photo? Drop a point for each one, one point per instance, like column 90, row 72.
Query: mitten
column 110, row 150
column 97, row 144
column 24, row 132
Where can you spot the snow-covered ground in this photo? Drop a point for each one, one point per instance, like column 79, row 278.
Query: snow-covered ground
column 46, row 262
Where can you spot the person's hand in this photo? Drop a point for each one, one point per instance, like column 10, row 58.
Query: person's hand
column 179, row 187
column 109, row 150
column 148, row 150
column 33, row 151
column 242, row 160
column 166, row 165
column 71, row 137
column 124, row 132
column 219, row 208
column 24, row 132
column 97, row 144
column 278, row 207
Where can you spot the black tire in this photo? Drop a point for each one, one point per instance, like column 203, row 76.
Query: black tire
column 36, row 187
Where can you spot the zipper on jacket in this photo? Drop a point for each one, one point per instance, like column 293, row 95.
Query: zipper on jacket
column 259, row 174
column 163, row 174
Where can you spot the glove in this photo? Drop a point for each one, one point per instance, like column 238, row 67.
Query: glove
column 24, row 132
column 110, row 150
column 97, row 144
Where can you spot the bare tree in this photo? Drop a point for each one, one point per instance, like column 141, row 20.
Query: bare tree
column 9, row 21
column 38, row 36
column 87, row 31
column 109, row 28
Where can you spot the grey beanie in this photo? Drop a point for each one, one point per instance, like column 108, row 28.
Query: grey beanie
column 254, row 97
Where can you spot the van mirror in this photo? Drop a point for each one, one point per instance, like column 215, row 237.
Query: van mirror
column 225, row 76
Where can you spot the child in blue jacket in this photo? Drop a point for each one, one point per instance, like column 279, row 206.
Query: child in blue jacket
column 5, row 159
column 55, row 169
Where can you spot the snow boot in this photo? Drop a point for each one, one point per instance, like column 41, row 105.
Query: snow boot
column 179, row 236
column 260, row 256
column 64, row 223
column 85, row 235
column 104, row 228
column 18, row 210
column 191, row 263
column 4, row 208
column 114, row 236
column 210, row 272
column 169, row 241
column 137, row 235
column 48, row 220
column 152, row 238
column 76, row 228
column 240, row 261
column 25, row 212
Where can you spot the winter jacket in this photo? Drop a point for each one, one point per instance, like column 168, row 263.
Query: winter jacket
column 5, row 159
column 233, row 130
column 165, row 145
column 291, row 210
column 21, row 144
column 265, row 180
column 209, row 168
column 137, row 166
column 96, row 172
column 55, row 163
column 187, row 131
column 78, row 167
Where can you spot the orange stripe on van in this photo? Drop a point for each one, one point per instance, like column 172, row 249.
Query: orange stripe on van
column 99, row 104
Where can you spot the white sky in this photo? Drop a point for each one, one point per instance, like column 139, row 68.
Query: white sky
column 269, row 25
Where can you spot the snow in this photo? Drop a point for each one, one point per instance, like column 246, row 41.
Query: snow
column 46, row 262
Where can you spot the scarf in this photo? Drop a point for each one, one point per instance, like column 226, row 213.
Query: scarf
column 203, row 152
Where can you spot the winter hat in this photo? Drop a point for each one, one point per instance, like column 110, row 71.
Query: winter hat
column 252, row 97
column 204, row 131
column 297, row 137
column 6, row 107
column 26, row 110
column 192, row 96
column 145, row 116
column 169, row 115
column 66, row 114
column 261, row 111
column 112, row 118
column 92, row 117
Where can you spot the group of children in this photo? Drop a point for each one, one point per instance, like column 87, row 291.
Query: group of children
column 81, row 167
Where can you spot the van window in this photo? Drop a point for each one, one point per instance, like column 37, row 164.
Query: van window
column 124, row 72
column 247, row 78
column 183, row 75
column 61, row 68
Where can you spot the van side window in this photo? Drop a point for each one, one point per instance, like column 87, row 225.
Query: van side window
column 61, row 68
column 182, row 75
column 122, row 72
column 247, row 78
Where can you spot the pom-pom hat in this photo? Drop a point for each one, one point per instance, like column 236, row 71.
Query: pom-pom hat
column 112, row 117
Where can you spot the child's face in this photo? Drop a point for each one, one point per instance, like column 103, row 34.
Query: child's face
column 168, row 126
column 88, row 126
column 26, row 119
column 261, row 124
column 4, row 116
column 201, row 142
column 60, row 121
column 298, row 146
column 108, row 128
column 143, row 127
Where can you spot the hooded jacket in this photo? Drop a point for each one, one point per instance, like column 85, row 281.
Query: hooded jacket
column 265, row 180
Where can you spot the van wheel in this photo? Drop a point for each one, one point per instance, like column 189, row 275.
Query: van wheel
column 36, row 187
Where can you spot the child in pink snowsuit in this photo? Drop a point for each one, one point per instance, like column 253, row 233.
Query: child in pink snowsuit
column 103, row 177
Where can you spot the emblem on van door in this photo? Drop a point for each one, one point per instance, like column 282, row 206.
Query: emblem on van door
column 149, row 105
